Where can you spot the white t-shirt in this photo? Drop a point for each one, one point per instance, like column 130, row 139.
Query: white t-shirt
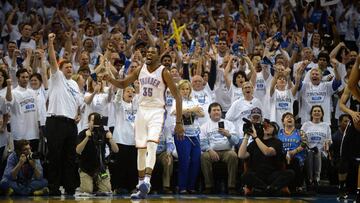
column 24, row 111
column 281, row 102
column 99, row 104
column 31, row 44
column 241, row 109
column 64, row 96
column 223, row 95
column 217, row 141
column 124, row 122
column 261, row 91
column 316, row 95
column 237, row 93
column 193, row 129
column 204, row 99
column 42, row 95
column 317, row 134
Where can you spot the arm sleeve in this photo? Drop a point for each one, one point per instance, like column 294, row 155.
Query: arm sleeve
column 186, row 73
column 336, row 84
column 212, row 75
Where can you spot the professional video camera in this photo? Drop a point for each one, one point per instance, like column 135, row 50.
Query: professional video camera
column 98, row 130
column 99, row 136
column 247, row 128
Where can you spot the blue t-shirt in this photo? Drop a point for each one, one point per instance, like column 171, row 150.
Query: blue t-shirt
column 291, row 142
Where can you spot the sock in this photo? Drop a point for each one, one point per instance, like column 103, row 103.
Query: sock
column 147, row 178
column 141, row 180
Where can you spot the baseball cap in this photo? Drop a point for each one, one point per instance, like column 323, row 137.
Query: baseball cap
column 256, row 112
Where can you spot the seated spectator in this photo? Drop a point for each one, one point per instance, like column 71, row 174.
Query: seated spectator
column 218, row 138
column 264, row 159
column 91, row 149
column 23, row 174
column 164, row 157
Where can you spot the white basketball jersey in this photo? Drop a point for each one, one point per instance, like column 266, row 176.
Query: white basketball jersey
column 152, row 88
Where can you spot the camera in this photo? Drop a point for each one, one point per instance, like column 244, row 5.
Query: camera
column 98, row 130
column 188, row 120
column 100, row 120
column 34, row 155
column 247, row 128
column 99, row 135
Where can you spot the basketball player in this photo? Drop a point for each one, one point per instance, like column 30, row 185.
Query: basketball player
column 349, row 149
column 154, row 80
column 354, row 79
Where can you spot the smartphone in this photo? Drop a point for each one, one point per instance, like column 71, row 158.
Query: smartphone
column 216, row 39
column 221, row 124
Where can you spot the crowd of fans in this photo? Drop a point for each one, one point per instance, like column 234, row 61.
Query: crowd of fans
column 261, row 82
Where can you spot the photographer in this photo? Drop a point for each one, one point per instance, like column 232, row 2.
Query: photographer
column 264, row 157
column 91, row 149
column 23, row 173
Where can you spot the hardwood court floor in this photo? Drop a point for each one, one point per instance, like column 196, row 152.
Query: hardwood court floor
column 169, row 199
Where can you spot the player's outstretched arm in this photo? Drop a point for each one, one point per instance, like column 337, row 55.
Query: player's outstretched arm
column 123, row 83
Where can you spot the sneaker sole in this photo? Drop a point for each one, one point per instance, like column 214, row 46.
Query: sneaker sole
column 137, row 196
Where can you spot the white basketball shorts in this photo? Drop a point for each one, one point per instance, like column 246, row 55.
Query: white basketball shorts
column 149, row 124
